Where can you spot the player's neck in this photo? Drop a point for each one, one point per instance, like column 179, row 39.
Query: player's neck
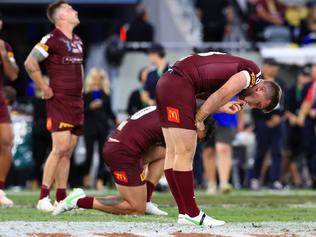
column 66, row 29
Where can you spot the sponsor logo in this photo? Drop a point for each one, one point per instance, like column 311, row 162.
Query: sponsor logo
column 49, row 124
column 121, row 176
column 72, row 60
column 142, row 176
column 173, row 115
column 65, row 125
column 253, row 79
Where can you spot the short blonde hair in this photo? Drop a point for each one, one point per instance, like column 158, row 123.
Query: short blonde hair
column 104, row 77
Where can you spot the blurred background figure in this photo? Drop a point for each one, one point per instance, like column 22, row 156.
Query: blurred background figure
column 99, row 119
column 295, row 139
column 216, row 18
column 308, row 25
column 269, row 132
column 135, row 102
column 140, row 29
column 157, row 57
column 217, row 152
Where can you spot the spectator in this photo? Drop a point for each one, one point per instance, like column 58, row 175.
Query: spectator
column 157, row 56
column 98, row 114
column 270, row 19
column 307, row 119
column 293, row 101
column 308, row 26
column 216, row 17
column 295, row 13
column 141, row 30
column 135, row 102
column 269, row 135
column 223, row 137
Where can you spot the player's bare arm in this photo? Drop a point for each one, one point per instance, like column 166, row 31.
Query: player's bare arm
column 33, row 69
column 10, row 68
column 222, row 96
column 110, row 200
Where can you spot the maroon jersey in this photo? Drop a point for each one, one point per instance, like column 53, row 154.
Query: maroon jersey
column 11, row 57
column 64, row 58
column 140, row 131
column 209, row 71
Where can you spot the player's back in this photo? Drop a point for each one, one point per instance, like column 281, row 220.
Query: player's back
column 140, row 131
column 209, row 71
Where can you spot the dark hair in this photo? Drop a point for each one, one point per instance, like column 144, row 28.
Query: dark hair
column 52, row 9
column 274, row 94
column 158, row 49
column 139, row 76
column 210, row 125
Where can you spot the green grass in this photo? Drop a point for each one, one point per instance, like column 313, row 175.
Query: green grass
column 240, row 206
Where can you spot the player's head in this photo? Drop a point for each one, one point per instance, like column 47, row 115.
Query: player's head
column 156, row 53
column 61, row 11
column 265, row 95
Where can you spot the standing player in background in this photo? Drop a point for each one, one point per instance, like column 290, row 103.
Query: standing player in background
column 216, row 77
column 62, row 51
column 10, row 70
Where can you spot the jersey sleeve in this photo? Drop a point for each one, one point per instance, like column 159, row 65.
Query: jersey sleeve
column 252, row 73
column 46, row 45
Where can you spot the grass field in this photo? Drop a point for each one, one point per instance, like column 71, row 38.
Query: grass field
column 235, row 208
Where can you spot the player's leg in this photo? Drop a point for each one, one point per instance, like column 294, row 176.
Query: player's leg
column 185, row 143
column 224, row 161
column 61, row 146
column 6, row 140
column 62, row 172
column 209, row 165
column 168, row 169
column 155, row 160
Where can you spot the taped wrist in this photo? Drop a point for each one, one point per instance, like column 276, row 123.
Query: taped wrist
column 201, row 115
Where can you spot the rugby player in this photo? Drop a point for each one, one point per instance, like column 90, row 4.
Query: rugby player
column 216, row 77
column 136, row 142
column 62, row 51
column 10, row 70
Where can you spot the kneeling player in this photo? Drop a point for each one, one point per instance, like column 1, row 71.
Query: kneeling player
column 136, row 142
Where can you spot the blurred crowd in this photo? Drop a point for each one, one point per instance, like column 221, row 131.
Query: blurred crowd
column 248, row 150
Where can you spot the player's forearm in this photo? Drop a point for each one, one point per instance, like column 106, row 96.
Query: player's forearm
column 33, row 69
column 10, row 68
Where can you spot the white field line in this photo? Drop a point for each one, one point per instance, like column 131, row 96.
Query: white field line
column 22, row 228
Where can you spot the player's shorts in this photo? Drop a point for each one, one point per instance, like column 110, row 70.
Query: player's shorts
column 4, row 111
column 221, row 134
column 176, row 102
column 126, row 166
column 65, row 113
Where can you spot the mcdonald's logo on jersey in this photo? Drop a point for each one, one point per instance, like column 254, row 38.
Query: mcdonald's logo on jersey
column 173, row 115
column 121, row 176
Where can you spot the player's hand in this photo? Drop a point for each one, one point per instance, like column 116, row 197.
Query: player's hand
column 96, row 104
column 47, row 93
column 3, row 51
column 232, row 107
column 200, row 129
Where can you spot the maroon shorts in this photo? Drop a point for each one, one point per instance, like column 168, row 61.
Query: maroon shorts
column 126, row 166
column 65, row 113
column 176, row 102
column 4, row 112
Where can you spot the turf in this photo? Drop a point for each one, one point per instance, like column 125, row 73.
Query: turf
column 239, row 206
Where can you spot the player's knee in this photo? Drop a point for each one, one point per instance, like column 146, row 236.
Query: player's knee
column 62, row 151
column 6, row 143
column 185, row 149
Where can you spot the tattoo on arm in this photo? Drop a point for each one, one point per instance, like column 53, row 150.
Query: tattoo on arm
column 111, row 200
column 35, row 53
